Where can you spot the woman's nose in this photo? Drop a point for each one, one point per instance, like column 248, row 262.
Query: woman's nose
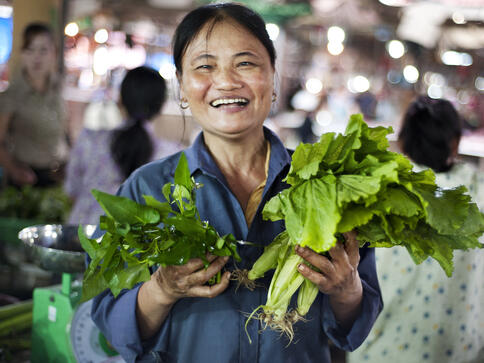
column 226, row 79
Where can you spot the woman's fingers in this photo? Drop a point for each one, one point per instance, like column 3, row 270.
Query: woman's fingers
column 210, row 291
column 352, row 247
column 338, row 254
column 347, row 253
column 201, row 276
column 338, row 275
column 315, row 277
column 315, row 259
column 195, row 264
column 183, row 281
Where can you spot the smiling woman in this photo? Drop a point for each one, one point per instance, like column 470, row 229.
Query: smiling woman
column 228, row 88
column 225, row 66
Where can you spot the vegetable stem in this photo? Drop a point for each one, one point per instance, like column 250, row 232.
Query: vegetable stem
column 16, row 324
column 15, row 309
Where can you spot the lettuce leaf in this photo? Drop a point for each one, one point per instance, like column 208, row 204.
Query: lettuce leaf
column 352, row 181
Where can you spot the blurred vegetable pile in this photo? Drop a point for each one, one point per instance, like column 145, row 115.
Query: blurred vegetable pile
column 49, row 205
column 15, row 329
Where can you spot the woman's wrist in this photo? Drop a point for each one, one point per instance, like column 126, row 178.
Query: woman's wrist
column 152, row 309
column 158, row 295
column 347, row 306
column 349, row 297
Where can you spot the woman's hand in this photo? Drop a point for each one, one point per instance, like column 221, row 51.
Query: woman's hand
column 175, row 282
column 170, row 283
column 338, row 278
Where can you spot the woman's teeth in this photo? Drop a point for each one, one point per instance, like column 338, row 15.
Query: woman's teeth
column 228, row 101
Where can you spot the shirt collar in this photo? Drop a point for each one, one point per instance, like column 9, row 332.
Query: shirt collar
column 199, row 157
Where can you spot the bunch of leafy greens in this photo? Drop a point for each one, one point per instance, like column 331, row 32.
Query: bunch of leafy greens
column 139, row 236
column 352, row 182
column 49, row 205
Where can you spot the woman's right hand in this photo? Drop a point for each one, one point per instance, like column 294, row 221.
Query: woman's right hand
column 189, row 280
column 171, row 283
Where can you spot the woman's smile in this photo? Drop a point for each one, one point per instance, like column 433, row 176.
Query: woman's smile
column 234, row 104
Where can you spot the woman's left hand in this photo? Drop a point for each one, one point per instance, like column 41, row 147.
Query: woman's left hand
column 339, row 276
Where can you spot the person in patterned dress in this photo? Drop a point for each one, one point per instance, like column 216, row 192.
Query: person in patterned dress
column 428, row 317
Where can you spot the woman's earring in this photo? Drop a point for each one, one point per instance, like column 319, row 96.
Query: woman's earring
column 184, row 104
column 274, row 97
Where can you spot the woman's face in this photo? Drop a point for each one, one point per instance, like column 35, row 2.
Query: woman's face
column 227, row 79
column 39, row 57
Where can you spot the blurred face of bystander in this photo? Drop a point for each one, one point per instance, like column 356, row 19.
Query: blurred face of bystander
column 39, row 57
column 228, row 80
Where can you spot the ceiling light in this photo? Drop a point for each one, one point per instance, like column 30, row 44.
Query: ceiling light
column 335, row 48
column 411, row 74
column 358, row 84
column 434, row 91
column 396, row 49
column 336, row 34
column 324, row 117
column 71, row 29
column 453, row 58
column 314, row 85
column 101, row 36
column 100, row 61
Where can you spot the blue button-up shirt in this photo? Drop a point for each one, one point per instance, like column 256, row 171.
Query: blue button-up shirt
column 203, row 330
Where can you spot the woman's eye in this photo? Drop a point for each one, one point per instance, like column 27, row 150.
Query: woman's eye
column 204, row 67
column 246, row 64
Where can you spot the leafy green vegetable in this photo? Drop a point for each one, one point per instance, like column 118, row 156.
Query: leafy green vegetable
column 141, row 236
column 351, row 181
column 50, row 205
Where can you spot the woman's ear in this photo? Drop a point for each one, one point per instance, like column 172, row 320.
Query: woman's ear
column 181, row 93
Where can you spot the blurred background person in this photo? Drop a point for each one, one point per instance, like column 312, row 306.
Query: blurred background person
column 33, row 138
column 102, row 158
column 428, row 316
column 430, row 136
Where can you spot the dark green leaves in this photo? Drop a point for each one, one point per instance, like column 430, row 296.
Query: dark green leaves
column 125, row 210
column 182, row 174
column 139, row 236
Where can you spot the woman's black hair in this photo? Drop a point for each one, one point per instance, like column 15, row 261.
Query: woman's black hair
column 34, row 29
column 430, row 132
column 143, row 92
column 195, row 20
